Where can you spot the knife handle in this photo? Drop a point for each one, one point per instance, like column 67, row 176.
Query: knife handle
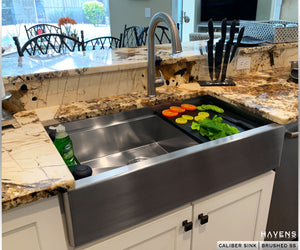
column 226, row 59
column 223, row 29
column 210, row 58
column 240, row 36
column 232, row 30
column 239, row 39
column 211, row 29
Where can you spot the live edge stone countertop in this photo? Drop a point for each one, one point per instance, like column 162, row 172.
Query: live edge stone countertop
column 32, row 169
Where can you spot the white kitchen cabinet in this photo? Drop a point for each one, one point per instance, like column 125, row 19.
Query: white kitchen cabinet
column 34, row 226
column 163, row 233
column 235, row 214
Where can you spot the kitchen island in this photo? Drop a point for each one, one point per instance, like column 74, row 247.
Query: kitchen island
column 268, row 95
column 32, row 168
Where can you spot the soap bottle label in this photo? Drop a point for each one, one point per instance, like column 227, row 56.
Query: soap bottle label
column 67, row 152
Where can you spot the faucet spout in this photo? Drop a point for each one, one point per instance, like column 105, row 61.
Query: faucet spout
column 175, row 41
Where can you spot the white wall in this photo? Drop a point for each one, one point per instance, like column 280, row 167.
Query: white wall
column 263, row 9
column 189, row 7
column 289, row 10
column 132, row 12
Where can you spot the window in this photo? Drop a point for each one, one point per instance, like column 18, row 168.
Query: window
column 17, row 13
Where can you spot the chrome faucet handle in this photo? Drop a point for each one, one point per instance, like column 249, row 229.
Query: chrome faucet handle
column 160, row 81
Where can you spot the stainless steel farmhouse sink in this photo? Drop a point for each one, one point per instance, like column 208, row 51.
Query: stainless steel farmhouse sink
column 115, row 140
column 145, row 165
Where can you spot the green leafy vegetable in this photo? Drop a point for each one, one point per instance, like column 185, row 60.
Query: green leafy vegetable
column 210, row 107
column 214, row 128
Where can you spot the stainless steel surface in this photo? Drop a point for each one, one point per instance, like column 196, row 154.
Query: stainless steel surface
column 112, row 201
column 283, row 214
column 175, row 41
column 6, row 96
column 112, row 141
column 7, row 119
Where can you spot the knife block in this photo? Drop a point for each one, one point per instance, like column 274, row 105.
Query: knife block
column 226, row 82
column 205, row 80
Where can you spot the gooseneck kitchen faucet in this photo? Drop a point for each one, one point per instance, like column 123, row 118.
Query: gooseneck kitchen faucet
column 176, row 48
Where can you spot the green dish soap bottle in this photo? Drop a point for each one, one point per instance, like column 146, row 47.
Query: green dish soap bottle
column 64, row 145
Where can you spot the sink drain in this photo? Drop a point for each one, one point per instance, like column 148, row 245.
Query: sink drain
column 137, row 159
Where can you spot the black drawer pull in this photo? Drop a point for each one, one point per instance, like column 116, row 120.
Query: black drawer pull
column 187, row 225
column 203, row 218
column 291, row 135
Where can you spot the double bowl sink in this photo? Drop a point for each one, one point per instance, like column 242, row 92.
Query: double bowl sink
column 145, row 164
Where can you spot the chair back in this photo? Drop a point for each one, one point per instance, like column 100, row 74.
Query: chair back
column 142, row 37
column 162, row 35
column 130, row 36
column 104, row 42
column 40, row 29
column 48, row 44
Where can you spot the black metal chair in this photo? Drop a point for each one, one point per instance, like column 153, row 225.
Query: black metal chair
column 40, row 29
column 162, row 35
column 130, row 36
column 48, row 44
column 142, row 37
column 104, row 42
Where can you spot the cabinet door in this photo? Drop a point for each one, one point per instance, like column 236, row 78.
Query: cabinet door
column 164, row 233
column 238, row 213
column 34, row 226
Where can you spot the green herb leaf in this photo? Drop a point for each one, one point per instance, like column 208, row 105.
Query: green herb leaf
column 214, row 128
column 195, row 126
column 210, row 107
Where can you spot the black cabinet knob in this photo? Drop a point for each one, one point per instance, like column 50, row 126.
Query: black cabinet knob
column 203, row 218
column 187, row 225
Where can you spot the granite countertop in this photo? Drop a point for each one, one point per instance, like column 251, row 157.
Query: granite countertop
column 32, row 169
column 48, row 66
column 71, row 64
column 267, row 94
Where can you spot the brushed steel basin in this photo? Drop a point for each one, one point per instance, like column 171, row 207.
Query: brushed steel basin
column 155, row 167
column 115, row 140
